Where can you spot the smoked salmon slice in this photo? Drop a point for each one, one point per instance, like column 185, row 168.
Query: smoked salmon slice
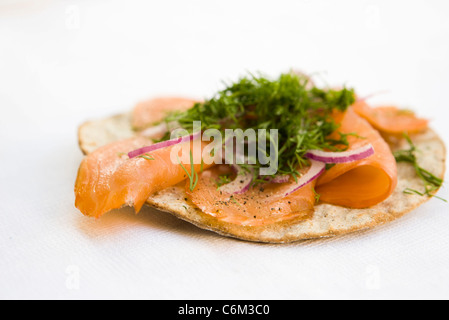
column 152, row 111
column 260, row 205
column 108, row 180
column 365, row 182
column 92, row 186
column 390, row 119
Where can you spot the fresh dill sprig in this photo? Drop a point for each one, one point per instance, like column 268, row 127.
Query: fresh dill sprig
column 146, row 156
column 413, row 191
column 317, row 195
column 193, row 175
column 432, row 183
column 302, row 113
column 235, row 201
column 223, row 179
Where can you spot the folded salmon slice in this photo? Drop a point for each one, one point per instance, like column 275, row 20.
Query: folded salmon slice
column 151, row 111
column 109, row 180
column 390, row 119
column 92, row 186
column 362, row 183
column 260, row 205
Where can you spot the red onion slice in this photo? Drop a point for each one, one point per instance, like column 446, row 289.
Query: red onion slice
column 241, row 183
column 341, row 157
column 276, row 179
column 281, row 179
column 163, row 144
column 316, row 169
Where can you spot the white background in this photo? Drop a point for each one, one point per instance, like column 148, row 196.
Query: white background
column 64, row 62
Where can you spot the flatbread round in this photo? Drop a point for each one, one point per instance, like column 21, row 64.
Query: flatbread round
column 328, row 220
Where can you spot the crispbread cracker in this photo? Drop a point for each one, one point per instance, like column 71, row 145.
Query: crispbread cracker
column 328, row 220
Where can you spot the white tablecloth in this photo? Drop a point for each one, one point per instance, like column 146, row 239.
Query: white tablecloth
column 64, row 62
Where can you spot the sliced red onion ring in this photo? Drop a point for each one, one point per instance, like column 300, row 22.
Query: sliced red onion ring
column 277, row 179
column 163, row 144
column 341, row 157
column 281, row 179
column 316, row 169
column 241, row 183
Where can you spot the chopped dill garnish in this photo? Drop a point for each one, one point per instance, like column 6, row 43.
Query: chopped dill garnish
column 146, row 156
column 223, row 179
column 413, row 191
column 317, row 195
column 235, row 201
column 193, row 175
column 302, row 113
column 432, row 183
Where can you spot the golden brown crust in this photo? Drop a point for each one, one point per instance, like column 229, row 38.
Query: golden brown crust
column 328, row 220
